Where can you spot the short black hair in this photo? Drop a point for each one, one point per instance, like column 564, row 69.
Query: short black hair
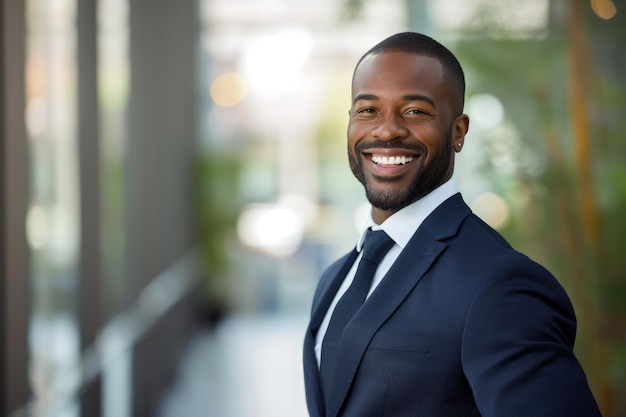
column 420, row 44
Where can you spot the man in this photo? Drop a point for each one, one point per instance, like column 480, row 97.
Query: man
column 455, row 323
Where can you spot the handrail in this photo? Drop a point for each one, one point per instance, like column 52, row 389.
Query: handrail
column 122, row 333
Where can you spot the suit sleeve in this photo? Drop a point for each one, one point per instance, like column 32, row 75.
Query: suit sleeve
column 517, row 346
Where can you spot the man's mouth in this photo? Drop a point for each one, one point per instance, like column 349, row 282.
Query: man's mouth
column 391, row 160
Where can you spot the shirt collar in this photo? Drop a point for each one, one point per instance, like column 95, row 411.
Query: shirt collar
column 401, row 225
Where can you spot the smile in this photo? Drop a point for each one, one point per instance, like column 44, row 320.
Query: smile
column 391, row 160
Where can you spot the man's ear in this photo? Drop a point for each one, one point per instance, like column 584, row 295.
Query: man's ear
column 459, row 130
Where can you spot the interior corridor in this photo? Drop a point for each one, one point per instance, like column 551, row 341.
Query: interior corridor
column 248, row 366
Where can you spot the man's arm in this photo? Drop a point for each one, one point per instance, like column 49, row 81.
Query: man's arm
column 517, row 347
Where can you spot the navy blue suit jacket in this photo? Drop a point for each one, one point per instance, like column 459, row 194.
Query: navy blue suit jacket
column 461, row 325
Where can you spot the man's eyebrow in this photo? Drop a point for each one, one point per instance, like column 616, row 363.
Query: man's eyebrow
column 419, row 97
column 408, row 97
column 368, row 97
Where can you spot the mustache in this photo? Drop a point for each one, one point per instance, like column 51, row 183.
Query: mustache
column 394, row 143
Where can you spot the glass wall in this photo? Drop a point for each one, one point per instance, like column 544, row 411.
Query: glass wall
column 107, row 216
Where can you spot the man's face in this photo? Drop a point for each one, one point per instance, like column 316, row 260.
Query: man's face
column 401, row 129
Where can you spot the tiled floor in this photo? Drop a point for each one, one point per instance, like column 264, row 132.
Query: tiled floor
column 249, row 366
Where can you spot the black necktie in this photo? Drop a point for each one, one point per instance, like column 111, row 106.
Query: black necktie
column 376, row 245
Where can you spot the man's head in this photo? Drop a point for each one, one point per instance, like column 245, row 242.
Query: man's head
column 406, row 120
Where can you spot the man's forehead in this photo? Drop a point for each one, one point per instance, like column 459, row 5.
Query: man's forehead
column 397, row 68
column 376, row 58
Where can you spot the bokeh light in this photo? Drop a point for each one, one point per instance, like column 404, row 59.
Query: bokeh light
column 228, row 89
column 605, row 9
column 271, row 228
column 492, row 209
column 486, row 110
column 271, row 60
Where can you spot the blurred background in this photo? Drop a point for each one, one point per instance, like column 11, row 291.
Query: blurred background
column 174, row 179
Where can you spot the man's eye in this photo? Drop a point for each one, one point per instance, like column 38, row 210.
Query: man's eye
column 367, row 110
column 416, row 112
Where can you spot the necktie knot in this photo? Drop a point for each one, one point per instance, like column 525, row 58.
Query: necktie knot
column 376, row 245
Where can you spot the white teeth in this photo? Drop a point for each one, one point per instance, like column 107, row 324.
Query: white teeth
column 391, row 160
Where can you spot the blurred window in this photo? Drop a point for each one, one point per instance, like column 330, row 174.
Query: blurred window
column 53, row 220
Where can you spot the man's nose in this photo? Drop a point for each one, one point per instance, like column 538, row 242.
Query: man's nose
column 391, row 126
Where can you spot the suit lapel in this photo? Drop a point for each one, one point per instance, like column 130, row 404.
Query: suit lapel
column 417, row 257
column 329, row 285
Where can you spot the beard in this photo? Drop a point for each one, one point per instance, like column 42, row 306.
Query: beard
column 427, row 176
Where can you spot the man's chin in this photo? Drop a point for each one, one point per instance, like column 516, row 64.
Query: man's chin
column 387, row 201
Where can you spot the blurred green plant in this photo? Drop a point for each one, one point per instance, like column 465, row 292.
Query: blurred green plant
column 216, row 176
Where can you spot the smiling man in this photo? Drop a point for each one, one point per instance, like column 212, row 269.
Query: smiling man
column 433, row 313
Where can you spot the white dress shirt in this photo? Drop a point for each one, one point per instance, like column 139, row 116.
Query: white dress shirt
column 400, row 227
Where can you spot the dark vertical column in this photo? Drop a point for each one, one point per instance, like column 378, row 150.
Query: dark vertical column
column 14, row 305
column 162, row 132
column 89, row 165
column 3, row 199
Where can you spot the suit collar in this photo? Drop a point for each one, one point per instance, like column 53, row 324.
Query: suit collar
column 445, row 221
column 403, row 224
